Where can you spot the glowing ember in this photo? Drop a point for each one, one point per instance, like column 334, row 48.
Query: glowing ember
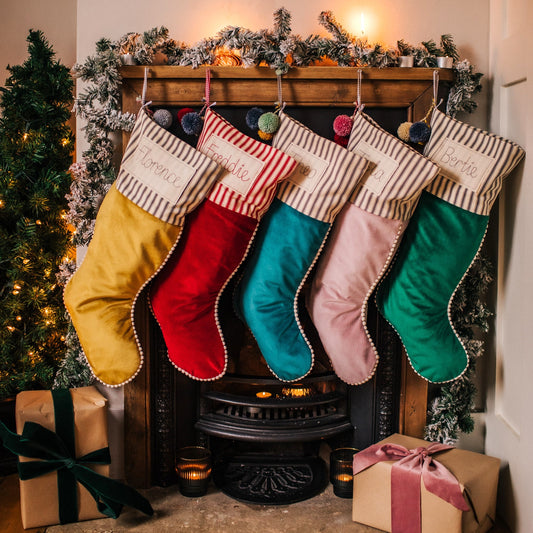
column 298, row 391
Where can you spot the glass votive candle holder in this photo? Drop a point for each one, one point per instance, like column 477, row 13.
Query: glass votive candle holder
column 341, row 471
column 193, row 466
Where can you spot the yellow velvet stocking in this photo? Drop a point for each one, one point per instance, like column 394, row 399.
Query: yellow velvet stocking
column 128, row 247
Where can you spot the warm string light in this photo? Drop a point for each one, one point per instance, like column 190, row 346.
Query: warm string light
column 11, row 329
column 25, row 136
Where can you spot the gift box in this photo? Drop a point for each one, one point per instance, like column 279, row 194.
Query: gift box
column 433, row 489
column 61, row 442
column 39, row 499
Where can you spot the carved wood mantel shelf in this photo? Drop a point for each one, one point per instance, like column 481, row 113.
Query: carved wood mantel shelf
column 320, row 86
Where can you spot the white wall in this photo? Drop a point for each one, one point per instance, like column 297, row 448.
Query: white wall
column 56, row 18
column 387, row 21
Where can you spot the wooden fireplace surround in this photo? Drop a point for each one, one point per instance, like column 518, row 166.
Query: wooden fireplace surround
column 319, row 86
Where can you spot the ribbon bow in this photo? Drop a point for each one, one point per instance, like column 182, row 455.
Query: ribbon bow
column 37, row 442
column 410, row 466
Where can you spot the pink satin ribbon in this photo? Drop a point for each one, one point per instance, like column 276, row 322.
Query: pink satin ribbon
column 410, row 466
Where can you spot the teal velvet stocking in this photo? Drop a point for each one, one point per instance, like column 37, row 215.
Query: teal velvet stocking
column 286, row 245
column 437, row 249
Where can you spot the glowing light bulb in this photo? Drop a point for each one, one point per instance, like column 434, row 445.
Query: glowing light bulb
column 17, row 287
column 11, row 328
column 15, row 293
column 25, row 261
column 64, row 142
column 18, row 317
column 62, row 337
column 25, row 136
column 2, row 203
column 38, row 222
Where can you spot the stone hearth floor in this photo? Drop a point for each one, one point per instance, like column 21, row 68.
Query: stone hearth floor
column 218, row 513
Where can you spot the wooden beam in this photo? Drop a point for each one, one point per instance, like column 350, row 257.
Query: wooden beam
column 305, row 86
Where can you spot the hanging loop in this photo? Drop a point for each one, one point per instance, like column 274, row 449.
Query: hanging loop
column 280, row 104
column 207, row 96
column 207, row 93
column 358, row 105
column 144, row 103
column 435, row 86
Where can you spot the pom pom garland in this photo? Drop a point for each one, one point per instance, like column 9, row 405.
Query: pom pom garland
column 252, row 118
column 419, row 132
column 268, row 122
column 182, row 112
column 265, row 136
column 192, row 123
column 342, row 125
column 403, row 131
column 339, row 139
column 163, row 117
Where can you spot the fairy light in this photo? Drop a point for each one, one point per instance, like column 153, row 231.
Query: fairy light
column 64, row 142
column 18, row 317
column 38, row 222
column 2, row 204
column 25, row 136
column 11, row 329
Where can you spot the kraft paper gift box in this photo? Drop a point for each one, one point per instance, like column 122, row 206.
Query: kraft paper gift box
column 39, row 500
column 476, row 474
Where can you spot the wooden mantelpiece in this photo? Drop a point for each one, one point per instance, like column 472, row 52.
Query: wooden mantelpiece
column 322, row 86
column 309, row 86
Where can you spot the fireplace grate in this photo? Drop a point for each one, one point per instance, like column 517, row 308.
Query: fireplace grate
column 276, row 419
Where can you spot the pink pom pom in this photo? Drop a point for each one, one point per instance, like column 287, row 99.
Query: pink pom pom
column 342, row 125
column 339, row 139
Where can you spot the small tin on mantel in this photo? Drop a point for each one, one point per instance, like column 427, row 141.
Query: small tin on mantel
column 406, row 61
column 127, row 59
column 445, row 62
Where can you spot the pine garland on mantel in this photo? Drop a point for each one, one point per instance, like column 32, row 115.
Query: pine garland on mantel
column 99, row 106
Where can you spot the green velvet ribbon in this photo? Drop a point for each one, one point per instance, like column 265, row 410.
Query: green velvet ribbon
column 56, row 453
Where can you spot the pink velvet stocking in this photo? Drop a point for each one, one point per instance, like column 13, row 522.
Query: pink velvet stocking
column 363, row 241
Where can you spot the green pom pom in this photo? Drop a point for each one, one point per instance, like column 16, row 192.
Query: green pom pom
column 268, row 122
column 403, row 131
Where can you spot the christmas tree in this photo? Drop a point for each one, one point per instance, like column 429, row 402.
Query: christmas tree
column 36, row 146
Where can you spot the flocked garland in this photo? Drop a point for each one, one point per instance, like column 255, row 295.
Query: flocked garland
column 99, row 106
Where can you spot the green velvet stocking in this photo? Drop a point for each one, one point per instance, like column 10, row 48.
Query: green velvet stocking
column 437, row 249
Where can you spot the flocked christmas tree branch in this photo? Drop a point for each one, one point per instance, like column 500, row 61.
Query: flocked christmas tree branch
column 280, row 49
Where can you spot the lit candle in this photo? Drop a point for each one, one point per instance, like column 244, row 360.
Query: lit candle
column 263, row 394
column 344, row 478
column 363, row 25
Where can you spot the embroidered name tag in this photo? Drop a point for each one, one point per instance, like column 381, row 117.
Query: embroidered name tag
column 159, row 170
column 242, row 168
column 376, row 177
column 310, row 169
column 462, row 164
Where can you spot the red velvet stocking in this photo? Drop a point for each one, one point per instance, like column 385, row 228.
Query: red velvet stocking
column 211, row 248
